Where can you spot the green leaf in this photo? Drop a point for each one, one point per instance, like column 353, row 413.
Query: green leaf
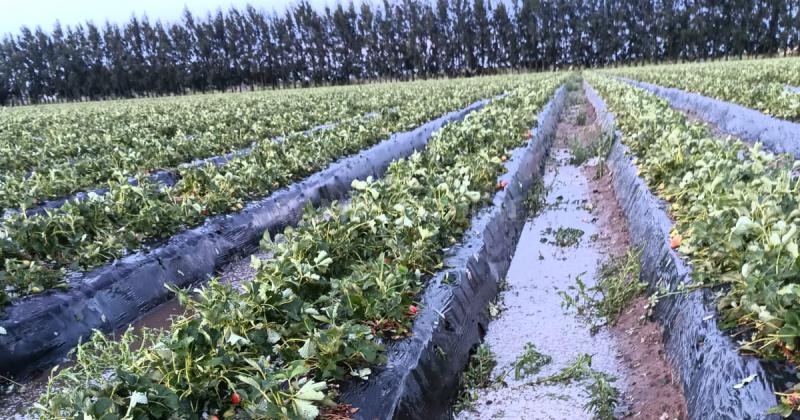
column 308, row 350
column 305, row 409
column 249, row 381
column 312, row 391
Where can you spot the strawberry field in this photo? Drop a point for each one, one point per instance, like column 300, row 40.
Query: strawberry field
column 354, row 277
column 734, row 209
column 764, row 85
column 38, row 251
column 337, row 285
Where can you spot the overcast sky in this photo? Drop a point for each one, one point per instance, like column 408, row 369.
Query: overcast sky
column 15, row 13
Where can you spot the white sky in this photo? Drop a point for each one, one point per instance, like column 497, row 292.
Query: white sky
column 15, row 13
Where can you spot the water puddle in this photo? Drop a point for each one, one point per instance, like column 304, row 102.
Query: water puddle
column 550, row 360
column 555, row 249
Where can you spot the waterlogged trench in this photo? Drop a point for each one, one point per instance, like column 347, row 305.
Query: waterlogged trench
column 578, row 229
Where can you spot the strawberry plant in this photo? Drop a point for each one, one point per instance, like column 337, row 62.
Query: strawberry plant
column 736, row 212
column 53, row 151
column 336, row 288
column 85, row 234
column 757, row 84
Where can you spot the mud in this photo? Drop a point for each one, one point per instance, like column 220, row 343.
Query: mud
column 654, row 391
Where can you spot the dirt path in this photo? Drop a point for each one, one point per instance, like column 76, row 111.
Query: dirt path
column 580, row 228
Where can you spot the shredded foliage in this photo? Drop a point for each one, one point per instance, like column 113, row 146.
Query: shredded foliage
column 535, row 201
column 477, row 376
column 617, row 286
column 568, row 237
column 530, row 362
column 603, row 396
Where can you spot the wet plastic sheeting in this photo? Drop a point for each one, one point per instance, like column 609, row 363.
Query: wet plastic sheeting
column 779, row 136
column 706, row 358
column 421, row 376
column 163, row 177
column 41, row 329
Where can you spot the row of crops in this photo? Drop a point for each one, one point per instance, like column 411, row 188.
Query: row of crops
column 757, row 84
column 338, row 285
column 343, row 283
column 38, row 251
column 48, row 152
column 736, row 210
column 52, row 151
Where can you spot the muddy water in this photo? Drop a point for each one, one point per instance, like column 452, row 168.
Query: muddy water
column 533, row 308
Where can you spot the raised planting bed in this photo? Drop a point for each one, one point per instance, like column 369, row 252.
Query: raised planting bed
column 421, row 377
column 54, row 152
column 716, row 377
column 82, row 235
column 337, row 289
column 756, row 84
column 779, row 136
column 41, row 329
column 162, row 177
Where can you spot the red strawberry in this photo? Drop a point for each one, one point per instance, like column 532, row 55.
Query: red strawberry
column 530, row 134
column 412, row 310
column 675, row 241
column 235, row 399
column 502, row 185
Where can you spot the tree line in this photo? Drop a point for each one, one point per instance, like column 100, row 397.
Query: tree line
column 394, row 39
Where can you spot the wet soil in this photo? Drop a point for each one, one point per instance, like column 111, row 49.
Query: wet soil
column 654, row 391
column 579, row 198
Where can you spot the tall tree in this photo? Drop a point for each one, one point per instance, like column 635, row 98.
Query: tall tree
column 242, row 48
